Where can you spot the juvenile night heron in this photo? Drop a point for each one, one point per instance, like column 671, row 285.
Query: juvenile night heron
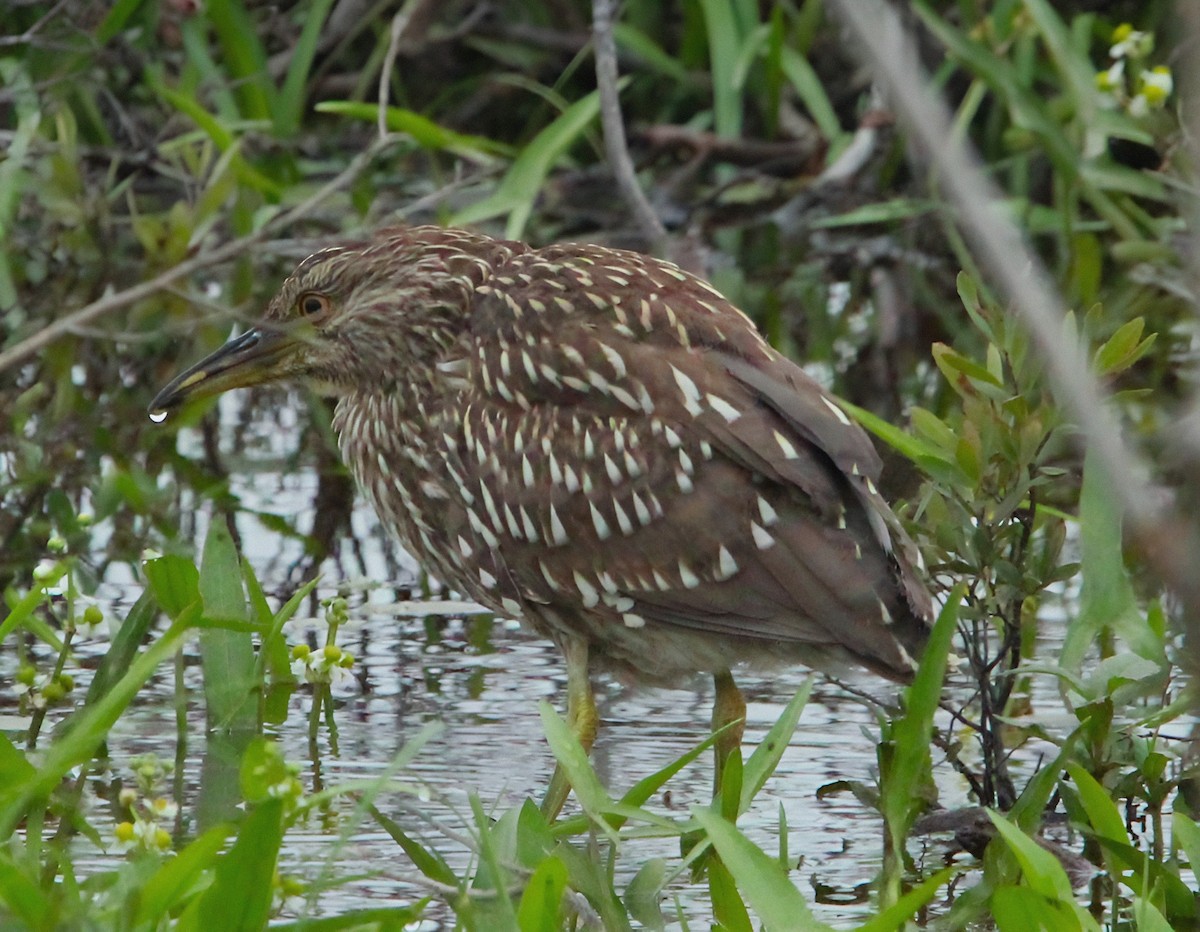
column 600, row 444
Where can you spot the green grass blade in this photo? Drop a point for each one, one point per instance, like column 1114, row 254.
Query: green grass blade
column 289, row 102
column 130, row 636
column 426, row 860
column 899, row 913
column 115, row 20
column 724, row 49
column 424, row 131
column 811, row 91
column 912, row 732
column 245, row 58
column 526, row 177
column 765, row 758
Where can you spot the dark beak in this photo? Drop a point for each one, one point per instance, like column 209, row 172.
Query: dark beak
column 258, row 355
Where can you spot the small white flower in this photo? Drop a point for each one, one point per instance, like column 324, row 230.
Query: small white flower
column 1112, row 80
column 1130, row 43
column 48, row 572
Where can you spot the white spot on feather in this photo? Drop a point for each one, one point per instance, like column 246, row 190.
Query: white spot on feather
column 558, row 533
column 789, row 451
column 726, row 565
column 723, row 408
column 588, row 592
column 691, row 394
column 837, row 412
column 550, row 580
column 623, row 521
column 613, row 470
column 598, row 522
column 615, row 360
column 689, row 579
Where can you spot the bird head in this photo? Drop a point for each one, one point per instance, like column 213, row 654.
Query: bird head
column 356, row 317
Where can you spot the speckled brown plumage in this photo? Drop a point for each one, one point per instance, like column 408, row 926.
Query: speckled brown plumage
column 600, row 444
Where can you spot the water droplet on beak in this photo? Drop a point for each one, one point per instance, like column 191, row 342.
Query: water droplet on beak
column 158, row 416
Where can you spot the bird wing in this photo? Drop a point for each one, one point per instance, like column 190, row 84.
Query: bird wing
column 631, row 444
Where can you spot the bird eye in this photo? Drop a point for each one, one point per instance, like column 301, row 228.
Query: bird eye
column 313, row 306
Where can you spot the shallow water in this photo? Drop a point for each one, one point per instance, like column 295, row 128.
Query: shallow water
column 481, row 681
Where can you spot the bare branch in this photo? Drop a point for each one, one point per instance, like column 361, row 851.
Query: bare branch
column 615, row 146
column 202, row 260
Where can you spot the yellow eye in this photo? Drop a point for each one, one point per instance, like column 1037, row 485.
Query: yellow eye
column 314, row 306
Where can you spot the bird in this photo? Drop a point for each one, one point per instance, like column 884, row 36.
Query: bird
column 600, row 444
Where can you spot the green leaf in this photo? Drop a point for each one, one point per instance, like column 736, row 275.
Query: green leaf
column 589, row 791
column 1101, row 810
column 643, row 896
column 729, row 910
column 492, row 874
column 884, row 212
column 1186, row 834
column 23, row 898
column 1020, row 909
column 541, row 902
column 174, row 581
column 912, row 447
column 14, row 767
column 226, row 656
column 954, row 365
column 1148, row 918
column 1041, row 869
column 758, row 876
column 243, row 882
column 1123, row 348
column 1106, row 598
column 636, row 43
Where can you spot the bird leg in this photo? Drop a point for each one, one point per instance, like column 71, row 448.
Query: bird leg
column 729, row 706
column 582, row 719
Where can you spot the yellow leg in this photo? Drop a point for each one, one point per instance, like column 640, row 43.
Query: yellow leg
column 729, row 706
column 582, row 718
